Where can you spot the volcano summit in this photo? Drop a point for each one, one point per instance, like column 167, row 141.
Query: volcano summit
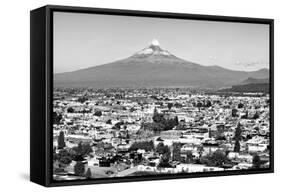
column 154, row 67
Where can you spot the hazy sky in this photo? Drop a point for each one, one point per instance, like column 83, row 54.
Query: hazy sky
column 85, row 40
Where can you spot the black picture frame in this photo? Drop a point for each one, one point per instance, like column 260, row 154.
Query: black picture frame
column 41, row 84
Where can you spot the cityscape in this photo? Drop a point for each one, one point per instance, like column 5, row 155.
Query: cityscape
column 133, row 132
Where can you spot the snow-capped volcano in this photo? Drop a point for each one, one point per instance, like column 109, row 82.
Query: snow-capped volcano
column 154, row 67
column 153, row 49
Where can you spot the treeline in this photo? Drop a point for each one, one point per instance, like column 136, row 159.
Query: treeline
column 145, row 145
column 160, row 123
column 248, row 88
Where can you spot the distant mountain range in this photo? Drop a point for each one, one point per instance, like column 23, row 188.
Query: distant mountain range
column 155, row 67
column 250, row 85
column 251, row 80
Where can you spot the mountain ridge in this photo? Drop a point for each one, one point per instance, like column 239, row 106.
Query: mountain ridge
column 154, row 66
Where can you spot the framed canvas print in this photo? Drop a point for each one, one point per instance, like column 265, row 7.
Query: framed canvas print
column 123, row 95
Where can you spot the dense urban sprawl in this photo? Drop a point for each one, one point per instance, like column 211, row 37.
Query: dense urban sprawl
column 137, row 132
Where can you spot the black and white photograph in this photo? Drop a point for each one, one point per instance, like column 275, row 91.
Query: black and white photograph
column 147, row 96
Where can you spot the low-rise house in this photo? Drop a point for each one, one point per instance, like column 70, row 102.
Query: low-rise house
column 257, row 144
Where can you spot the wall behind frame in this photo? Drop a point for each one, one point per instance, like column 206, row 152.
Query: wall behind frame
column 15, row 94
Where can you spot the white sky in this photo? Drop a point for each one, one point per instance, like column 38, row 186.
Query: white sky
column 86, row 40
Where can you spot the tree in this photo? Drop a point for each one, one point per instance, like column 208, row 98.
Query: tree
column 70, row 110
column 220, row 130
column 61, row 142
column 88, row 174
column 234, row 112
column 154, row 127
column 268, row 101
column 165, row 155
column 237, row 138
column 82, row 149
column 238, row 133
column 237, row 146
column 109, row 121
column 82, row 99
column 176, row 121
column 256, row 115
column 162, row 123
column 181, row 126
column 188, row 157
column 145, row 145
column 160, row 148
column 79, row 148
column 98, row 113
column 210, row 133
column 208, row 103
column 63, row 157
column 163, row 149
column 164, row 162
column 178, row 105
column 127, row 134
column 256, row 162
column 56, row 118
column 132, row 109
column 200, row 150
column 199, row 105
column 176, row 152
column 86, row 149
column 158, row 117
column 136, row 157
column 169, row 124
column 240, row 105
column 170, row 105
column 206, row 160
column 145, row 133
column 218, row 158
column 79, row 168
